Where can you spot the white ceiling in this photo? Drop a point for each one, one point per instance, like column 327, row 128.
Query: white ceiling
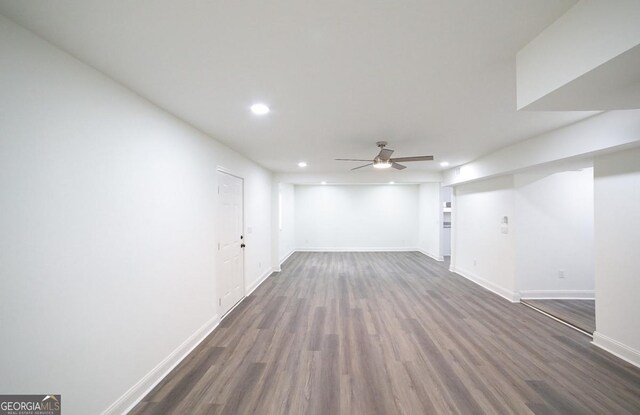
column 431, row 77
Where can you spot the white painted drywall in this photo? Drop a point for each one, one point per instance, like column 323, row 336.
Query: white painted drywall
column 430, row 217
column 600, row 133
column 617, row 245
column 356, row 217
column 108, row 241
column 553, row 226
column 481, row 251
column 286, row 221
column 591, row 33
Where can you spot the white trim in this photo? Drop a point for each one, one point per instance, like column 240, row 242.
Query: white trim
column 233, row 307
column 230, row 172
column 496, row 289
column 432, row 256
column 134, row 395
column 251, row 288
column 284, row 258
column 616, row 348
column 558, row 295
column 358, row 249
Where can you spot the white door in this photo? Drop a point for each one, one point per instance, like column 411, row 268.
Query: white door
column 231, row 243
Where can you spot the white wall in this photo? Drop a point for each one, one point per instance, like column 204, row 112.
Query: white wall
column 535, row 249
column 107, row 211
column 481, row 252
column 617, row 245
column 356, row 217
column 554, row 231
column 286, row 221
column 430, row 218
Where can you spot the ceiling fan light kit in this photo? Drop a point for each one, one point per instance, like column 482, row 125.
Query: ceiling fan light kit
column 381, row 164
column 384, row 161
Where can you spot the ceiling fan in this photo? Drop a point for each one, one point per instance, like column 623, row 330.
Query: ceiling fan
column 383, row 160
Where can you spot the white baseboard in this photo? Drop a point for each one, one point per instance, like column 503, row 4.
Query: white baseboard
column 430, row 255
column 558, row 295
column 284, row 258
column 251, row 288
column 496, row 289
column 616, row 348
column 358, row 249
column 126, row 402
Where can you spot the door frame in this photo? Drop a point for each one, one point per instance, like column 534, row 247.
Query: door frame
column 221, row 169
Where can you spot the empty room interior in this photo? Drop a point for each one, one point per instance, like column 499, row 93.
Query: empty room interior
column 326, row 207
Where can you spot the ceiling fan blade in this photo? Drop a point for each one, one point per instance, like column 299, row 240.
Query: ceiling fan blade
column 356, row 168
column 385, row 154
column 398, row 166
column 414, row 158
column 351, row 160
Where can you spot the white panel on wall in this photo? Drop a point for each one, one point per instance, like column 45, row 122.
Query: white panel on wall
column 554, row 240
column 356, row 217
column 108, row 241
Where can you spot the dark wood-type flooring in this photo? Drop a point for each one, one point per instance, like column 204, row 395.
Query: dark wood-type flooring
column 579, row 313
column 390, row 333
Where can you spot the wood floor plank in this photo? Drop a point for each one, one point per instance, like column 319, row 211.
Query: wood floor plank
column 390, row 333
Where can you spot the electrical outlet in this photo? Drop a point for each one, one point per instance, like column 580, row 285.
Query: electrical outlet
column 561, row 273
column 475, row 262
column 259, row 264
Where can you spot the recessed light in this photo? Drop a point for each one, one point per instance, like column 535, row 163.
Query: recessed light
column 323, row 183
column 302, row 164
column 392, row 182
column 260, row 109
column 444, row 164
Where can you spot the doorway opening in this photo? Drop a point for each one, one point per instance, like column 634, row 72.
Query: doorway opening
column 554, row 250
